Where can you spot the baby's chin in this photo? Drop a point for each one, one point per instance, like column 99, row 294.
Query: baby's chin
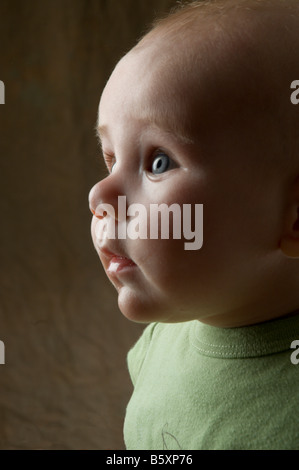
column 136, row 308
column 143, row 308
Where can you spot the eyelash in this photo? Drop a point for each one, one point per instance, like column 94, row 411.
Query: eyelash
column 110, row 161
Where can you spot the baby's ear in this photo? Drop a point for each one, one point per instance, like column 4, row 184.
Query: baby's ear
column 289, row 243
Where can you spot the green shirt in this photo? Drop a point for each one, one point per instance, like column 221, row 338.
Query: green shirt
column 201, row 387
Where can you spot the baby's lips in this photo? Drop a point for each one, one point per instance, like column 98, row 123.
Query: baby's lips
column 115, row 254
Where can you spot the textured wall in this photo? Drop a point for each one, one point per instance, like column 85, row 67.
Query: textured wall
column 64, row 383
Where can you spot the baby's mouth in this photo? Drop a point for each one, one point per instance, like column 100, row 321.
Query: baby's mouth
column 115, row 263
column 119, row 263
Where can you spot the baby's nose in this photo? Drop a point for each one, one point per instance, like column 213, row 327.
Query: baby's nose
column 102, row 196
column 93, row 198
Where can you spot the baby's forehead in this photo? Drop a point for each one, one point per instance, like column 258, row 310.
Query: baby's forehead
column 149, row 88
column 218, row 70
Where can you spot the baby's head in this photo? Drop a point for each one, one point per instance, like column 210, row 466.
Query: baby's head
column 199, row 112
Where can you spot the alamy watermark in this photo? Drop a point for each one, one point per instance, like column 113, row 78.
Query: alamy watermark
column 154, row 222
column 295, row 95
column 2, row 353
column 294, row 356
column 2, row 92
column 295, row 344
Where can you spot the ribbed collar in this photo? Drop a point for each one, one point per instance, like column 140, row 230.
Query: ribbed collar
column 250, row 341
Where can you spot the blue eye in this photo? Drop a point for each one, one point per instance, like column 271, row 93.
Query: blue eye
column 160, row 164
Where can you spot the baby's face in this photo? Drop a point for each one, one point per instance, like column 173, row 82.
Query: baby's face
column 150, row 160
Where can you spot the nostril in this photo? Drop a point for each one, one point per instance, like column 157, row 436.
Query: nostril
column 100, row 216
column 100, row 213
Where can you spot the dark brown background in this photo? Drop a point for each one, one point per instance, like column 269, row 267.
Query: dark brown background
column 64, row 384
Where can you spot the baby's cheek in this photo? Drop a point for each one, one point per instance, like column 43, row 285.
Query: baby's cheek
column 161, row 259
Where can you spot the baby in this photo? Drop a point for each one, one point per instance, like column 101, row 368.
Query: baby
column 198, row 114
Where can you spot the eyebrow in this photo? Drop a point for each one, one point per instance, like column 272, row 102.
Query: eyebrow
column 102, row 131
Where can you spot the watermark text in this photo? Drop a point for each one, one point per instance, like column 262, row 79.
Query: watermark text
column 295, row 355
column 2, row 353
column 2, row 92
column 157, row 221
column 295, row 94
